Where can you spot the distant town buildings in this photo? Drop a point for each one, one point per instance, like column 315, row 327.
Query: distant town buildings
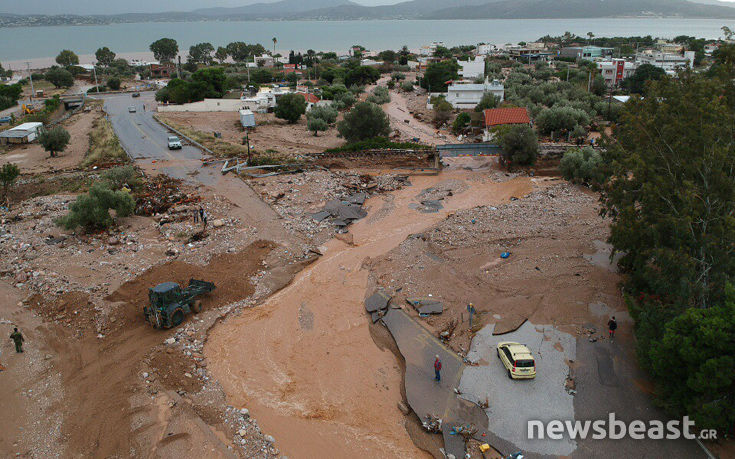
column 589, row 53
column 616, row 70
column 669, row 62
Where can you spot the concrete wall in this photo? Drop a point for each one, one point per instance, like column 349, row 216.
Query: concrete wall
column 206, row 105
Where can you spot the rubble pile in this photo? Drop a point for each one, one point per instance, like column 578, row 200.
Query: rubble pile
column 160, row 193
column 553, row 207
column 298, row 197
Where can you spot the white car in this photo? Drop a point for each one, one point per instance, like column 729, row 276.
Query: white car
column 174, row 143
column 132, row 109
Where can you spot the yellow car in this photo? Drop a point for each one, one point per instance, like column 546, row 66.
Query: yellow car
column 517, row 359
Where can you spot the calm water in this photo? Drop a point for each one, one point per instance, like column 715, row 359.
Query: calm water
column 39, row 42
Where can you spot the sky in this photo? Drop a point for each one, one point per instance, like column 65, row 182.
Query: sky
column 134, row 6
column 130, row 6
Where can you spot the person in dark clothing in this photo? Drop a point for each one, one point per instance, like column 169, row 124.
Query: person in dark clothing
column 17, row 339
column 437, row 368
column 612, row 325
column 201, row 213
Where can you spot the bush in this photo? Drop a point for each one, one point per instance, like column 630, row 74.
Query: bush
column 379, row 96
column 346, row 100
column 8, row 173
column 54, row 140
column 92, row 209
column 520, row 145
column 488, row 101
column 461, row 122
column 442, row 110
column 104, row 146
column 326, row 113
column 113, row 83
column 119, row 176
column 290, row 107
column 61, row 78
column 365, row 121
column 582, row 165
column 557, row 119
column 407, row 86
column 316, row 125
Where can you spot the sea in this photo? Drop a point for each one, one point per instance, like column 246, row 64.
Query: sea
column 37, row 45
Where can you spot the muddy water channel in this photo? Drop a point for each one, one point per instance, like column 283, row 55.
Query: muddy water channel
column 304, row 362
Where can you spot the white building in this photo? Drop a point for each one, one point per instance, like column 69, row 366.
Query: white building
column 616, row 70
column 464, row 95
column 472, row 69
column 669, row 62
column 23, row 133
column 485, row 49
column 430, row 49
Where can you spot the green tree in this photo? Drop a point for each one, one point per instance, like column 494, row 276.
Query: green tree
column 636, row 83
column 54, row 140
column 442, row 110
column 560, row 119
column 104, row 56
column 379, row 96
column 92, row 209
column 8, row 173
column 326, row 113
column 316, row 124
column 221, row 54
column 362, row 75
column 670, row 196
column 442, row 51
column 241, row 51
column 582, row 165
column 693, row 362
column 201, row 53
column 461, row 122
column 165, row 49
column 290, row 107
column 488, row 101
column 113, row 83
column 438, row 74
column 365, row 121
column 520, row 145
column 67, row 58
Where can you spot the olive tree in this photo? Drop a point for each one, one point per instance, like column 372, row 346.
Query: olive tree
column 54, row 140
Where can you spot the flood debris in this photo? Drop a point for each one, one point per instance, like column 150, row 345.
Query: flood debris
column 160, row 193
column 378, row 301
column 426, row 306
column 432, row 423
column 343, row 211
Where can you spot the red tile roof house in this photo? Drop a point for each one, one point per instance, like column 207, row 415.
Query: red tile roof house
column 310, row 99
column 503, row 117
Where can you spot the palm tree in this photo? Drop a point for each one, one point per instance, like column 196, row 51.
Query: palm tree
column 590, row 35
column 275, row 40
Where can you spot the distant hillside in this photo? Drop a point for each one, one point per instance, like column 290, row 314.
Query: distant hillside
column 542, row 9
column 413, row 9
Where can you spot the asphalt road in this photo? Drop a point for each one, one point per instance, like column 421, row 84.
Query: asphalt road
column 146, row 141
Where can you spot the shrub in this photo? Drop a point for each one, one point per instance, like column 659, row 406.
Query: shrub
column 560, row 119
column 104, row 146
column 461, row 122
column 91, row 210
column 365, row 121
column 347, row 100
column 8, row 173
column 379, row 96
column 582, row 165
column 442, row 110
column 113, row 83
column 61, row 78
column 316, row 125
column 326, row 113
column 119, row 176
column 407, row 86
column 520, row 145
column 54, row 140
column 290, row 107
column 488, row 101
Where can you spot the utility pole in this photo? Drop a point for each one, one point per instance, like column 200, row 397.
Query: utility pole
column 96, row 84
column 30, row 78
column 589, row 81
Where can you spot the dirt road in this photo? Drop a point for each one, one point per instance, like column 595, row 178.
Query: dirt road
column 305, row 364
column 398, row 113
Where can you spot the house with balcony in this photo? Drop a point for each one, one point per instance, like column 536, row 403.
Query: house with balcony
column 468, row 95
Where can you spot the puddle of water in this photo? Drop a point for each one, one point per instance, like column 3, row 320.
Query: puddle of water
column 601, row 257
column 327, row 390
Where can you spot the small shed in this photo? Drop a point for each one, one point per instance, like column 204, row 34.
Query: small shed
column 23, row 133
column 247, row 118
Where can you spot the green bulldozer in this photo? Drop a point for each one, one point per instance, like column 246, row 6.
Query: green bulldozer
column 169, row 303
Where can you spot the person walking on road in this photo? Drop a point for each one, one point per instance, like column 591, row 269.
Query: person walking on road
column 437, row 368
column 612, row 325
column 17, row 339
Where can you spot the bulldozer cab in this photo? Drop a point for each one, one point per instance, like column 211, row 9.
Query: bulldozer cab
column 164, row 294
